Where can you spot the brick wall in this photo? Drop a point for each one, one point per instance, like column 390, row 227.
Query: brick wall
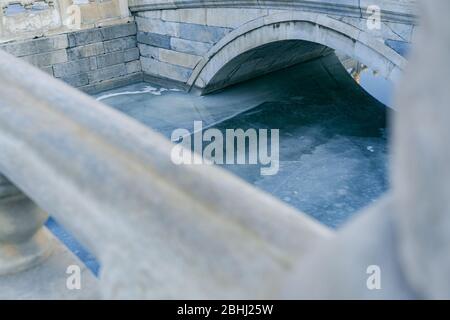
column 91, row 60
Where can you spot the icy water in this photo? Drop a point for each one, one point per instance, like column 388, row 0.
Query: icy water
column 333, row 135
column 333, row 146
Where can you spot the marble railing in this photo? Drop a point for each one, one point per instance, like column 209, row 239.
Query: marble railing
column 167, row 231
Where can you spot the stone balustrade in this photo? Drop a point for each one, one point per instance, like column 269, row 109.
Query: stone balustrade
column 167, row 231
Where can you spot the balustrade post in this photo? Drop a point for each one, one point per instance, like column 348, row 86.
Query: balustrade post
column 24, row 242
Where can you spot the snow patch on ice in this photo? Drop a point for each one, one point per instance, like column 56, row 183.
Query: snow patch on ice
column 147, row 89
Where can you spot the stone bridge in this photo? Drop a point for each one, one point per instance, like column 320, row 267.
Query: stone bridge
column 205, row 45
column 212, row 44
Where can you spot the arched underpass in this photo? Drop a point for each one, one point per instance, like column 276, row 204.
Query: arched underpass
column 282, row 40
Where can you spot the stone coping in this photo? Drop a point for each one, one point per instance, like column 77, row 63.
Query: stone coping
column 392, row 10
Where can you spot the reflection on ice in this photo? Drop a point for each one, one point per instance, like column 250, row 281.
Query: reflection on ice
column 377, row 86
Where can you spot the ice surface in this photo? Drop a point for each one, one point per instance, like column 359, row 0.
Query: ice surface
column 333, row 145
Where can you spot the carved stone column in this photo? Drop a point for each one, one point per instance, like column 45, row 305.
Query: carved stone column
column 23, row 240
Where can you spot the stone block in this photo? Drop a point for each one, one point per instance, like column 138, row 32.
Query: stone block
column 118, row 31
column 110, row 59
column 107, row 73
column 112, row 83
column 81, row 38
column 120, row 44
column 154, row 39
column 89, row 13
column 401, row 47
column 133, row 66
column 191, row 47
column 47, row 59
column 93, row 63
column 197, row 15
column 232, row 17
column 131, row 54
column 74, row 67
column 93, row 49
column 47, row 281
column 48, row 69
column 202, row 33
column 154, row 14
column 165, row 70
column 148, row 51
column 402, row 31
column 158, row 26
column 77, row 80
column 109, row 9
column 36, row 46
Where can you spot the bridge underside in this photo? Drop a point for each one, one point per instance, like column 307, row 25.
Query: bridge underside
column 263, row 60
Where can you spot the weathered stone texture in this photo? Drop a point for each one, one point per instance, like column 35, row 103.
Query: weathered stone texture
column 120, row 44
column 154, row 39
column 85, row 57
column 74, row 67
column 118, row 31
column 165, row 70
column 202, row 33
column 110, row 59
column 47, row 59
column 148, row 51
column 131, row 54
column 77, row 80
column 89, row 50
column 158, row 26
column 178, row 58
column 37, row 46
column 177, row 34
column 84, row 37
column 188, row 46
column 107, row 73
column 133, row 66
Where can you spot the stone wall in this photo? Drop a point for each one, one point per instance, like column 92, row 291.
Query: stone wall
column 92, row 60
column 174, row 43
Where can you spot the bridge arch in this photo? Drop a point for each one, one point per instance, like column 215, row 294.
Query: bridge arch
column 308, row 28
